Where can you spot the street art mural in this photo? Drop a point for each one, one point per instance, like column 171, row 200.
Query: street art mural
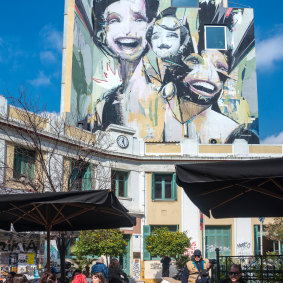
column 165, row 71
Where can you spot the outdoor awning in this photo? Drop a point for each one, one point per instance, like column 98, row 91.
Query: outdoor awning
column 63, row 211
column 251, row 188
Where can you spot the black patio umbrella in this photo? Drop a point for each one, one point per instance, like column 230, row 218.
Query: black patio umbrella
column 63, row 211
column 251, row 188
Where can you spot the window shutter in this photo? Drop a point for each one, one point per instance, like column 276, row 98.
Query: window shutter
column 174, row 186
column 152, row 186
column 87, row 178
column 126, row 184
column 74, row 176
column 17, row 165
column 146, row 233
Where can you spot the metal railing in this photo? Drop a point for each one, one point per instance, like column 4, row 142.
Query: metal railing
column 267, row 268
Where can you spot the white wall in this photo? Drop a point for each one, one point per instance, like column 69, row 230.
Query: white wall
column 243, row 236
column 190, row 220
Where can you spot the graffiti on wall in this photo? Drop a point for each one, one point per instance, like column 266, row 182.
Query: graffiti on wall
column 190, row 251
column 136, row 269
column 146, row 65
column 244, row 248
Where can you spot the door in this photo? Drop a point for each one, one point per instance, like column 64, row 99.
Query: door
column 217, row 237
column 124, row 260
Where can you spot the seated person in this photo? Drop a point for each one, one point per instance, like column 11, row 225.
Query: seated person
column 235, row 275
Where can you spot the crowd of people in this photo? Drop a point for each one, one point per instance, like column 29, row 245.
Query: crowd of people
column 99, row 274
column 196, row 270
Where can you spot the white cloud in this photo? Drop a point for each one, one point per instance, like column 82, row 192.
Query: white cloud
column 52, row 38
column 47, row 57
column 269, row 51
column 40, row 80
column 273, row 139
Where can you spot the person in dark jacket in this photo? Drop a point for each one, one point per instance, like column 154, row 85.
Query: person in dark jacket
column 165, row 266
column 99, row 266
column 115, row 273
column 196, row 270
column 235, row 275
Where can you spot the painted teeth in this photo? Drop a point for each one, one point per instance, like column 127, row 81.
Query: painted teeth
column 205, row 85
column 127, row 40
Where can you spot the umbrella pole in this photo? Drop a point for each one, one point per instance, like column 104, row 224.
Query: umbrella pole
column 48, row 249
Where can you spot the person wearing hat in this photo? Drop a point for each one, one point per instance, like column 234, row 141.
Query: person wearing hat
column 195, row 270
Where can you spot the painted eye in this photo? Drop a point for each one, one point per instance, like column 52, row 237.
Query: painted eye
column 155, row 36
column 194, row 61
column 113, row 18
column 139, row 18
column 222, row 67
column 113, row 21
column 172, row 35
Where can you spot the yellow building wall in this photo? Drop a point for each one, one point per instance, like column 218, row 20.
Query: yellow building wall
column 272, row 149
column 216, row 149
column 159, row 148
column 39, row 175
column 162, row 212
column 69, row 55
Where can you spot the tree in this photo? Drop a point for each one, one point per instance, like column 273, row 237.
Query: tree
column 108, row 242
column 162, row 242
column 274, row 231
column 42, row 151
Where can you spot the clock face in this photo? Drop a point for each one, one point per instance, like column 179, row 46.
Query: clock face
column 122, row 141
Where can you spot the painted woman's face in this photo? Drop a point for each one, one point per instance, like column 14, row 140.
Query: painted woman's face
column 205, row 79
column 125, row 27
column 166, row 37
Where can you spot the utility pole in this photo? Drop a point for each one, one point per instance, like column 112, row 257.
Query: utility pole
column 261, row 219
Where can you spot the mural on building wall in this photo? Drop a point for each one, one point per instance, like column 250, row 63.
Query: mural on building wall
column 146, row 65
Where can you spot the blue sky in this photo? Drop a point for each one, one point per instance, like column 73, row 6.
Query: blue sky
column 31, row 54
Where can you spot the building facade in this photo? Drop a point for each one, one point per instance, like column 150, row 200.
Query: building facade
column 167, row 79
column 146, row 85
column 143, row 178
column 169, row 71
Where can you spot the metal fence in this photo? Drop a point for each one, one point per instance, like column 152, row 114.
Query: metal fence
column 268, row 268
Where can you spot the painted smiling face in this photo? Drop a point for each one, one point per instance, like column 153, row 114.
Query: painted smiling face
column 166, row 37
column 207, row 75
column 125, row 27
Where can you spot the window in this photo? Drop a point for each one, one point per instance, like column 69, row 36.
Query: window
column 80, row 176
column 267, row 245
column 164, row 187
column 215, row 37
column 147, row 229
column 185, row 3
column 217, row 237
column 119, row 183
column 171, row 228
column 24, row 161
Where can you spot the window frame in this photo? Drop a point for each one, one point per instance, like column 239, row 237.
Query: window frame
column 19, row 158
column 81, row 183
column 185, row 6
column 173, row 187
column 225, row 36
column 116, row 174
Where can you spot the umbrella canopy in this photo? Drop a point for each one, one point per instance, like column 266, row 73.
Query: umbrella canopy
column 63, row 211
column 252, row 188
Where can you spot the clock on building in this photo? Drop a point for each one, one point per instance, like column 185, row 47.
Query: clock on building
column 122, row 141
